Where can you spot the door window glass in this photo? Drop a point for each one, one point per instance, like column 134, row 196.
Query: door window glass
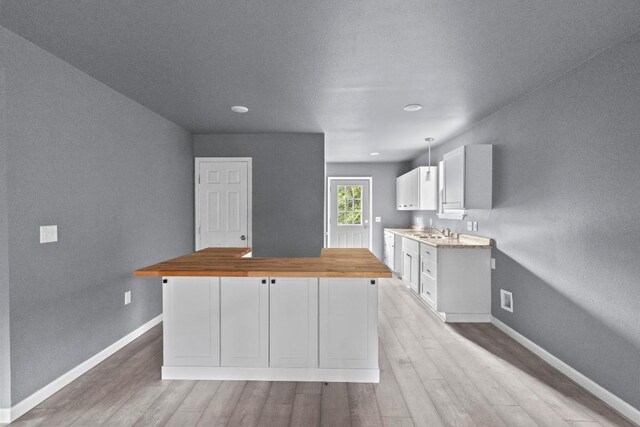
column 349, row 204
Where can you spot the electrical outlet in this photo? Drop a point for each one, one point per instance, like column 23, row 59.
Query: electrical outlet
column 378, row 218
column 127, row 298
column 493, row 263
column 475, row 225
column 48, row 233
column 469, row 226
column 506, row 300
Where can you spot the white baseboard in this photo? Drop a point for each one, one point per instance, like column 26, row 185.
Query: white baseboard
column 5, row 416
column 596, row 389
column 465, row 317
column 270, row 374
column 11, row 414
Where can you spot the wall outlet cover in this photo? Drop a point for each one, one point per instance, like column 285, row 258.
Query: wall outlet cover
column 469, row 226
column 506, row 300
column 378, row 219
column 475, row 225
column 48, row 233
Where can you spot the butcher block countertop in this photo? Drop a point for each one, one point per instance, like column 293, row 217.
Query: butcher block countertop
column 229, row 262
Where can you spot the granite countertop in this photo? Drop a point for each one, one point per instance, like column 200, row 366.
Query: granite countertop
column 464, row 241
column 229, row 262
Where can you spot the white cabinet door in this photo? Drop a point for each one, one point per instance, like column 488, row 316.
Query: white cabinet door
column 293, row 322
column 454, row 179
column 389, row 254
column 348, row 323
column 244, row 321
column 406, row 267
column 191, row 307
column 414, row 189
column 428, row 188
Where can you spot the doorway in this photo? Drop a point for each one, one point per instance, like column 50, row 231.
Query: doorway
column 349, row 212
column 223, row 202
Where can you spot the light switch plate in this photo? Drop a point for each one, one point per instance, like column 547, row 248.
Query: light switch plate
column 469, row 226
column 430, row 222
column 493, row 263
column 378, row 218
column 48, row 233
column 475, row 225
column 127, row 298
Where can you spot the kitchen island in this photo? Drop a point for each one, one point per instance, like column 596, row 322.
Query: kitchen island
column 231, row 317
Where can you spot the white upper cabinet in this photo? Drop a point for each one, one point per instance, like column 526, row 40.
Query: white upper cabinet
column 418, row 189
column 467, row 178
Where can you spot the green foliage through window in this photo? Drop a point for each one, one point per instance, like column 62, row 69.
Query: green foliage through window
column 349, row 204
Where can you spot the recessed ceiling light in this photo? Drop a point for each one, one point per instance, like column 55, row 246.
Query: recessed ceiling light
column 412, row 107
column 375, row 153
column 239, row 109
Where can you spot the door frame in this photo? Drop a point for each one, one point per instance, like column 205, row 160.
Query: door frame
column 197, row 162
column 328, row 212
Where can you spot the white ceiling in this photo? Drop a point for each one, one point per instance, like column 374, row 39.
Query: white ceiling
column 345, row 68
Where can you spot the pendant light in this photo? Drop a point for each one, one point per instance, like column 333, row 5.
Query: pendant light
column 429, row 140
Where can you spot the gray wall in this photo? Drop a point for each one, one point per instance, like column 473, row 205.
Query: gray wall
column 117, row 179
column 566, row 201
column 384, row 194
column 5, row 367
column 288, row 188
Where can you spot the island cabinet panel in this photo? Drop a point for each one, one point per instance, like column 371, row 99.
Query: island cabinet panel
column 293, row 322
column 244, row 321
column 348, row 323
column 191, row 308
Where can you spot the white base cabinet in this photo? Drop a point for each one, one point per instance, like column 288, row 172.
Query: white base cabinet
column 410, row 263
column 191, row 336
column 271, row 329
column 294, row 322
column 244, row 321
column 348, row 323
column 456, row 283
column 389, row 250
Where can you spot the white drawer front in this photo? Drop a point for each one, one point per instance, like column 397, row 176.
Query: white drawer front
column 429, row 268
column 428, row 289
column 428, row 253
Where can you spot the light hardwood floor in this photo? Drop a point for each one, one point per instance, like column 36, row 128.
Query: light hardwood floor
column 432, row 374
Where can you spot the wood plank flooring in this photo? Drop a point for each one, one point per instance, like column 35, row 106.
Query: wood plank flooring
column 432, row 374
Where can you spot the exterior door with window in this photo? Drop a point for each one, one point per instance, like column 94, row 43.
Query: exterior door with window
column 349, row 206
column 223, row 202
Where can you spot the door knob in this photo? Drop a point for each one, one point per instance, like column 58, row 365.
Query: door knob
column 243, row 237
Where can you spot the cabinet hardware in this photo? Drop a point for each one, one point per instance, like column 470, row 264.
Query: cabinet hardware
column 165, row 281
column 273, row 281
column 373, row 282
column 243, row 237
column 264, row 281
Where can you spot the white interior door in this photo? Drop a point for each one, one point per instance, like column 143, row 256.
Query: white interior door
column 223, row 208
column 349, row 213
